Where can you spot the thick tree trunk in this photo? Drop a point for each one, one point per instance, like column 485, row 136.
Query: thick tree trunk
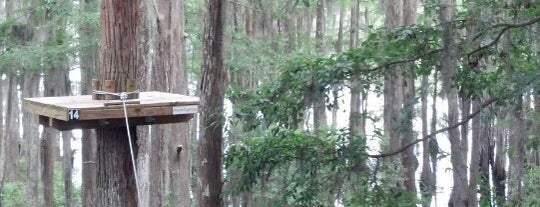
column 212, row 98
column 117, row 61
column 115, row 180
column 165, row 168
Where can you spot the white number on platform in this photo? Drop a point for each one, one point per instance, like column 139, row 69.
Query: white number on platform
column 73, row 114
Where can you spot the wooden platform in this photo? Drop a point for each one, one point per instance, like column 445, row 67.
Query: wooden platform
column 81, row 112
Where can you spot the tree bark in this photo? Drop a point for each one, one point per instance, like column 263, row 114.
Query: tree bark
column 11, row 170
column 168, row 169
column 31, row 134
column 408, row 158
column 474, row 168
column 516, row 153
column 31, row 137
column 56, row 84
column 212, row 98
column 393, row 93
column 117, row 61
column 2, row 133
column 449, row 53
column 88, row 61
column 319, row 96
column 427, row 182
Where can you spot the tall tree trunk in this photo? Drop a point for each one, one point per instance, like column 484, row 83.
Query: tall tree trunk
column 118, row 62
column 56, row 84
column 166, row 182
column 212, row 98
column 31, row 137
column 11, row 170
column 516, row 146
column 408, row 158
column 149, row 156
column 458, row 197
column 474, row 168
column 393, row 92
column 427, row 185
column 2, row 132
column 31, row 134
column 11, row 137
column 498, row 164
column 88, row 61
column 433, row 144
column 319, row 96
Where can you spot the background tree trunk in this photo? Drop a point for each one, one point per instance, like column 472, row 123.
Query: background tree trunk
column 88, row 61
column 212, row 98
column 31, row 134
column 160, row 164
column 449, row 54
column 408, row 158
column 319, row 96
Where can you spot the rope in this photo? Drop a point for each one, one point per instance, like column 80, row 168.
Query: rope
column 123, row 96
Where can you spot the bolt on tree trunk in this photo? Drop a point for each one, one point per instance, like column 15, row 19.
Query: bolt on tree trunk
column 117, row 62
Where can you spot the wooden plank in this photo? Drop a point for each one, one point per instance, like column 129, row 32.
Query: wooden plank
column 112, row 123
column 38, row 108
column 128, row 102
column 119, row 112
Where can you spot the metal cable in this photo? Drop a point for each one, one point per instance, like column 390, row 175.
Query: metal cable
column 123, row 96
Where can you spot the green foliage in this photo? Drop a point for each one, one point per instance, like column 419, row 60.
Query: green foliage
column 23, row 51
column 14, row 194
column 306, row 161
column 532, row 187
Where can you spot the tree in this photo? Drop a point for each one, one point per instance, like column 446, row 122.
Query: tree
column 31, row 130
column 319, row 97
column 212, row 98
column 449, row 56
column 88, row 53
column 117, row 62
column 163, row 167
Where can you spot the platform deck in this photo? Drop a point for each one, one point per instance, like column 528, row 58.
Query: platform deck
column 71, row 112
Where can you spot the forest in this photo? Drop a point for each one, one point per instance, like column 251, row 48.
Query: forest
column 308, row 103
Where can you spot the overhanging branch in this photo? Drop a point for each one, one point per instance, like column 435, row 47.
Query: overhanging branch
column 505, row 28
column 432, row 135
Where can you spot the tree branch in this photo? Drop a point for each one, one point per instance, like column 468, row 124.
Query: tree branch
column 432, row 135
column 395, row 62
column 505, row 27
